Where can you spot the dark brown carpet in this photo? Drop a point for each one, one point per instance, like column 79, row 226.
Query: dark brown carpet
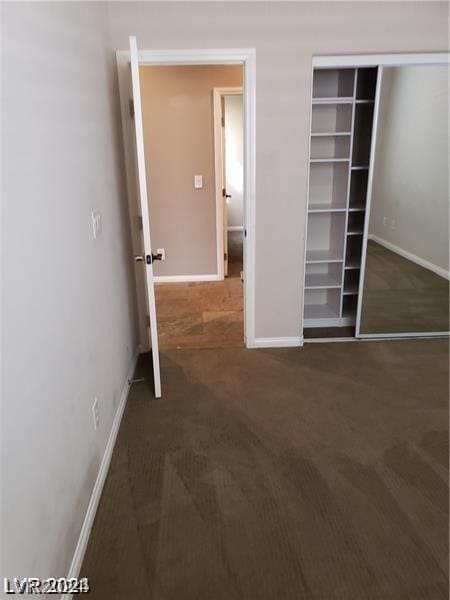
column 401, row 296
column 316, row 473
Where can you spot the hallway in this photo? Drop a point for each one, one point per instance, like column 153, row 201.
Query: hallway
column 204, row 314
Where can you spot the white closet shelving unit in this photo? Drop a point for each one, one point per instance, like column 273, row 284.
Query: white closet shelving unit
column 341, row 130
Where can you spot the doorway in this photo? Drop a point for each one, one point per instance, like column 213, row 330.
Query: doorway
column 191, row 285
column 199, row 305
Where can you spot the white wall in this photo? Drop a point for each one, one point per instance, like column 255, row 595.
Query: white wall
column 68, row 312
column 285, row 35
column 234, row 159
column 410, row 187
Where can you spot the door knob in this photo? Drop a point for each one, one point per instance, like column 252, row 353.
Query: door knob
column 149, row 258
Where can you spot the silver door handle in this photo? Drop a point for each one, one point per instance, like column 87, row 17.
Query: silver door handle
column 148, row 258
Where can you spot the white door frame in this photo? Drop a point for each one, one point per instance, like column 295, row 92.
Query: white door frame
column 236, row 56
column 218, row 94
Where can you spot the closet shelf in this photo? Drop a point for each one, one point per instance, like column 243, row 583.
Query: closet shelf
column 330, row 133
column 359, row 167
column 324, row 208
column 334, row 100
column 323, row 256
column 329, row 160
column 356, row 208
column 321, row 281
column 368, row 101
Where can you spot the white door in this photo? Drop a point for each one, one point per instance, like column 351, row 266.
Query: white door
column 224, row 186
column 147, row 259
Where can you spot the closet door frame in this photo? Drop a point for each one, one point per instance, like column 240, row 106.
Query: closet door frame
column 380, row 61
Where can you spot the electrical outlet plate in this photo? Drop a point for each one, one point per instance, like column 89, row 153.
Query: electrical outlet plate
column 96, row 414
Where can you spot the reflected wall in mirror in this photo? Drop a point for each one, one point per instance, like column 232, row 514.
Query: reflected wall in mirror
column 406, row 280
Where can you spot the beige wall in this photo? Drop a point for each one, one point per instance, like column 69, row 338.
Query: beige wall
column 179, row 143
column 68, row 301
column 286, row 36
column 410, row 185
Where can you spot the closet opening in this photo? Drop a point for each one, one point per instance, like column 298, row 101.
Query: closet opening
column 376, row 246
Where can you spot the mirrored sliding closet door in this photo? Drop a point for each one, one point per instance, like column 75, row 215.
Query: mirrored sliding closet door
column 405, row 283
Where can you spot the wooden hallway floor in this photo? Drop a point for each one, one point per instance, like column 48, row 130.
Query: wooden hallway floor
column 200, row 314
column 203, row 314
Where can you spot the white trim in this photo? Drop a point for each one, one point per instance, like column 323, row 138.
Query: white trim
column 185, row 278
column 249, row 196
column 191, row 56
column 246, row 57
column 379, row 337
column 331, row 339
column 235, row 228
column 94, row 500
column 279, row 342
column 306, row 213
column 376, row 60
column 366, row 337
column 410, row 256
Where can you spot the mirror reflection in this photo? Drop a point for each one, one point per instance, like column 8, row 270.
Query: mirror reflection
column 406, row 280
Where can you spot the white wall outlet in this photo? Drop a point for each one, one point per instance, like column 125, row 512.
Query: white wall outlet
column 161, row 251
column 96, row 223
column 96, row 414
column 198, row 182
column 393, row 225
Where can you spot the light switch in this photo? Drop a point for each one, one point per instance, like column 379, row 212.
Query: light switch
column 198, row 182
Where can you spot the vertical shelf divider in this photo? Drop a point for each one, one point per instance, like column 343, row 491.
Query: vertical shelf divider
column 355, row 83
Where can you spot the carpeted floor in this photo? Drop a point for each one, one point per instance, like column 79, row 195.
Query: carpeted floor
column 292, row 474
column 401, row 296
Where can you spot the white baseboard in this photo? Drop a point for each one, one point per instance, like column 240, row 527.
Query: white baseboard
column 83, row 539
column 184, row 278
column 410, row 256
column 278, row 342
column 235, row 228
